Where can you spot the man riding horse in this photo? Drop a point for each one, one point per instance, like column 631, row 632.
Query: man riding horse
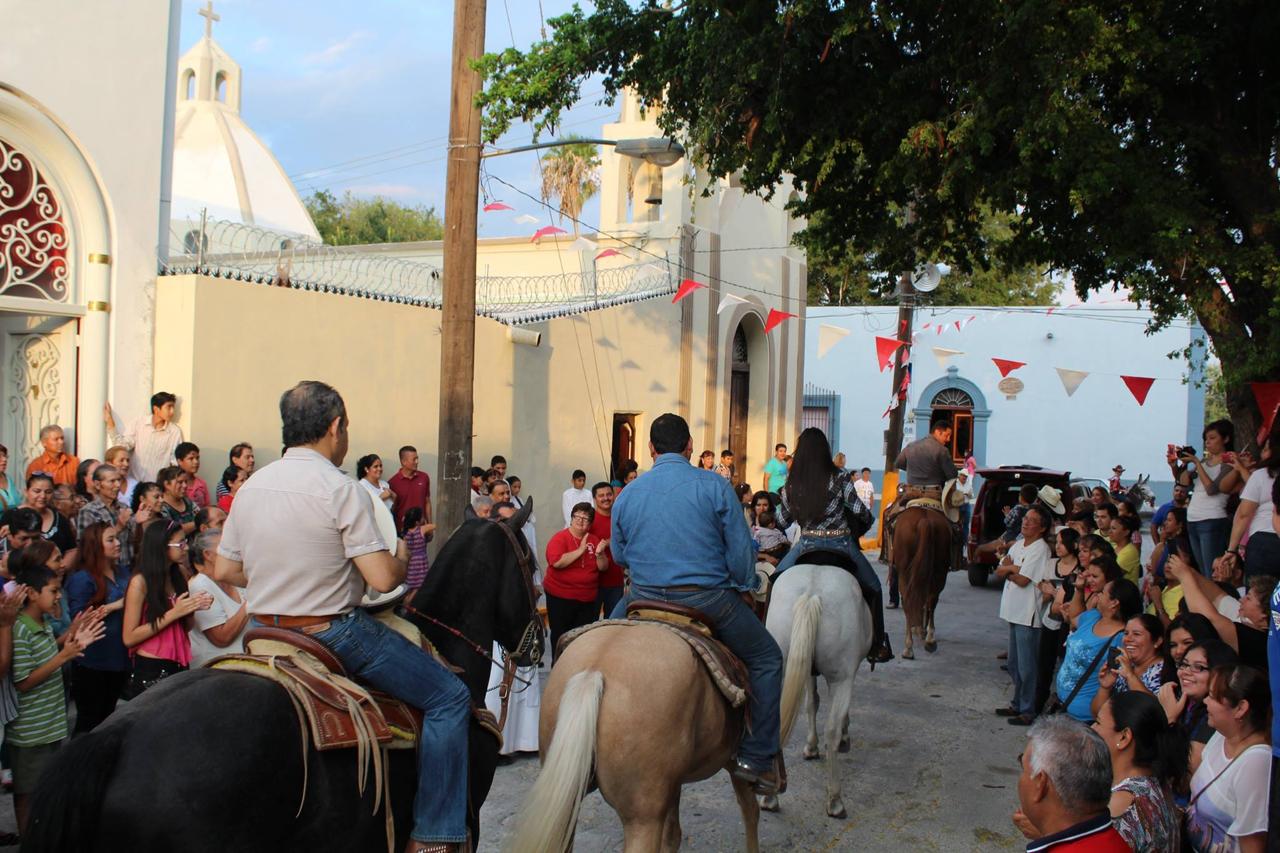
column 681, row 534
column 302, row 538
column 929, row 468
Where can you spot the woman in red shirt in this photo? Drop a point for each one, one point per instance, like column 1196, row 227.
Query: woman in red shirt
column 575, row 560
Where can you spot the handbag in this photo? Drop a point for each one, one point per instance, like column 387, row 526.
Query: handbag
column 1058, row 706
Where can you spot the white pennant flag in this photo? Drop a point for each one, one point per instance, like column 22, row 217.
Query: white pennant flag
column 526, row 219
column 943, row 355
column 728, row 301
column 582, row 244
column 1071, row 379
column 829, row 336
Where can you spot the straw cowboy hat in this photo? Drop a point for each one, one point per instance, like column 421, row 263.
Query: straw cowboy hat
column 952, row 500
column 1052, row 498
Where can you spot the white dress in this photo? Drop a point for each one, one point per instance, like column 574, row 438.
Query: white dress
column 520, row 733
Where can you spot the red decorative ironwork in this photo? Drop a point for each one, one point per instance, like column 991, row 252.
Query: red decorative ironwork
column 33, row 233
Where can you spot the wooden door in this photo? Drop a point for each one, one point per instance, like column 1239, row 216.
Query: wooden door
column 739, row 396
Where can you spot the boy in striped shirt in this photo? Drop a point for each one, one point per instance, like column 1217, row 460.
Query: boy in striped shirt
column 41, row 725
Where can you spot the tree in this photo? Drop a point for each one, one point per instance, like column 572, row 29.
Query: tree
column 1136, row 142
column 357, row 221
column 571, row 175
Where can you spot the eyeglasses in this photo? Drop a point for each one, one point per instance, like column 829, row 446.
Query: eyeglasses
column 585, row 518
column 1197, row 668
column 182, row 545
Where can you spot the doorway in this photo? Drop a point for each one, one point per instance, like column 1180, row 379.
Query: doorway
column 739, row 403
column 38, row 357
column 623, row 443
column 959, row 405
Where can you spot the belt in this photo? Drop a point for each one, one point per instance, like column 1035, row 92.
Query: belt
column 685, row 588
column 826, row 534
column 306, row 624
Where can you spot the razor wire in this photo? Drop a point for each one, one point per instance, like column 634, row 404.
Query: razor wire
column 240, row 252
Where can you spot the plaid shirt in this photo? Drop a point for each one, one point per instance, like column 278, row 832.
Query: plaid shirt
column 97, row 512
column 841, row 494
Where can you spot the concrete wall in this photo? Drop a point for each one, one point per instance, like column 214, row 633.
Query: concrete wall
column 1101, row 425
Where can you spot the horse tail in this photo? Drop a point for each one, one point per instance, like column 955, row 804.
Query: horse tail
column 805, row 615
column 550, row 811
column 914, row 576
column 67, row 804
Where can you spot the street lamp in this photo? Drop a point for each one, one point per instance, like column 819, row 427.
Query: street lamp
column 659, row 151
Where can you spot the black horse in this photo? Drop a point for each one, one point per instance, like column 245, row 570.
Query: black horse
column 212, row 761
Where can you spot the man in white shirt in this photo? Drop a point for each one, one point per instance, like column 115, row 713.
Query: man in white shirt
column 1024, row 566
column 152, row 438
column 575, row 495
column 866, row 489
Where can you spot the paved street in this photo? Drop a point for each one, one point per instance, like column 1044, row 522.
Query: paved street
column 932, row 768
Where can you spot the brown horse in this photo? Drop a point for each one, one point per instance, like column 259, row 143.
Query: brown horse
column 922, row 556
column 635, row 706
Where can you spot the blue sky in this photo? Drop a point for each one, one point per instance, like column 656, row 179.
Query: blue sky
column 355, row 96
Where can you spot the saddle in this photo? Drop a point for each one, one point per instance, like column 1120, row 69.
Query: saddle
column 696, row 628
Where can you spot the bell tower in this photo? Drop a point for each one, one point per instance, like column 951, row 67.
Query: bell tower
column 206, row 72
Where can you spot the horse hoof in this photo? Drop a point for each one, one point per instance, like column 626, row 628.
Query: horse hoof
column 836, row 810
column 930, row 647
column 769, row 803
column 844, row 745
column 810, row 754
column 908, row 655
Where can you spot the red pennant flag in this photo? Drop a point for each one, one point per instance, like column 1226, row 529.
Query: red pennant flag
column 1138, row 387
column 497, row 205
column 607, row 253
column 958, row 326
column 1267, row 395
column 1005, row 366
column 885, row 348
column 774, row 320
column 902, row 326
column 546, row 231
column 686, row 287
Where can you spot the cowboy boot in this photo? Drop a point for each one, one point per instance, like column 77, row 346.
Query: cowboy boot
column 415, row 846
column 881, row 651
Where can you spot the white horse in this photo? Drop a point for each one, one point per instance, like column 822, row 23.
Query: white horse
column 820, row 621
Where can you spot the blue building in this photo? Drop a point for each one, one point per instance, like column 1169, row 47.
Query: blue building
column 1027, row 417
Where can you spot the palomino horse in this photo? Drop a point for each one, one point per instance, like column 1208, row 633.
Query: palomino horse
column 636, row 706
column 922, row 556
column 819, row 619
column 211, row 760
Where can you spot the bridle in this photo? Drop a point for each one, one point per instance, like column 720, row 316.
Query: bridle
column 528, row 644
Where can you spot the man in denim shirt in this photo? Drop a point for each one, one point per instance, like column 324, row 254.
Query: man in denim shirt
column 680, row 532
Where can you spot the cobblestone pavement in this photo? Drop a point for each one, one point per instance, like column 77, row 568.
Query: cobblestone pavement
column 931, row 767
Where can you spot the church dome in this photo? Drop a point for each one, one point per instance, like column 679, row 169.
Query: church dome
column 219, row 163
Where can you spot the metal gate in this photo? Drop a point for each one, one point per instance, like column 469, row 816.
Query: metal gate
column 822, row 410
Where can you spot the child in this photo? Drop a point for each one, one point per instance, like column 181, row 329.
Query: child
column 232, row 479
column 772, row 541
column 725, row 468
column 41, row 725
column 188, row 456
column 415, row 539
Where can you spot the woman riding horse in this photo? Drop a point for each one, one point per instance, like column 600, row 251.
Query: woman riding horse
column 819, row 496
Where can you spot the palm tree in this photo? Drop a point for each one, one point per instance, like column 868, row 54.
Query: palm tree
column 571, row 175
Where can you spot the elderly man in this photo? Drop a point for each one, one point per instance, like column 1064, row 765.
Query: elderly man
column 302, row 541
column 107, row 509
column 152, row 438
column 680, row 532
column 1064, row 790
column 55, row 462
column 1022, row 570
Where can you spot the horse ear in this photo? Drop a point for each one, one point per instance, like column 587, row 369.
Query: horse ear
column 518, row 520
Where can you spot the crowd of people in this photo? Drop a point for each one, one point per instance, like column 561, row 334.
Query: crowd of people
column 1165, row 658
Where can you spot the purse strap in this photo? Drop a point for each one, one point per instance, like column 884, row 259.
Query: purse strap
column 1097, row 659
column 1191, row 802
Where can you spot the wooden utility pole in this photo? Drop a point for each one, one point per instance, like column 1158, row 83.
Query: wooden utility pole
column 893, row 435
column 458, row 315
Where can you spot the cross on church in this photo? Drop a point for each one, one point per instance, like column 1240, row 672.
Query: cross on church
column 209, row 17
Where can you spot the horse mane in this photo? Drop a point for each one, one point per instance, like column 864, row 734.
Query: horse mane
column 470, row 552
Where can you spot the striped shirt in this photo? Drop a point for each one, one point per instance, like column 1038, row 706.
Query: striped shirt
column 42, row 710
column 152, row 448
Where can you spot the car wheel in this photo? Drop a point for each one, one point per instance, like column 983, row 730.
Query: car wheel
column 978, row 574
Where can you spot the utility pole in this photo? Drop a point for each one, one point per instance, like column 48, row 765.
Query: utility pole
column 458, row 313
column 893, row 435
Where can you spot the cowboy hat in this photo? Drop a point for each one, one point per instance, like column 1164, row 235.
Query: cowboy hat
column 1119, row 469
column 952, row 500
column 1052, row 498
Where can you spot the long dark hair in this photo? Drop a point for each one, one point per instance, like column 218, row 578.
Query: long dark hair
column 1156, row 744
column 157, row 572
column 140, row 492
column 82, row 471
column 94, row 560
column 808, row 485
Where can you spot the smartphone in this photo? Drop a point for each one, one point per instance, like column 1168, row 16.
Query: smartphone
column 1113, row 657
column 1229, row 457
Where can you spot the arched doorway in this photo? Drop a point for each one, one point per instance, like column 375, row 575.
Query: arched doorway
column 964, row 401
column 739, row 401
column 957, row 403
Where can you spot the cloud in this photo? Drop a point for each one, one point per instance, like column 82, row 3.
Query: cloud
column 260, row 44
column 337, row 50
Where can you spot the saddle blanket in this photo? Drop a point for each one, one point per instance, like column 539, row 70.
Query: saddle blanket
column 727, row 672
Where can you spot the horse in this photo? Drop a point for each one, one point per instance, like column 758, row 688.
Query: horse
column 210, row 760
column 821, row 622
column 634, row 705
column 922, row 555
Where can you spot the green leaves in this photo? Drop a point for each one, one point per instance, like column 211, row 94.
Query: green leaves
column 354, row 221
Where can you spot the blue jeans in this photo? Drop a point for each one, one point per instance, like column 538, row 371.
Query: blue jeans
column 745, row 635
column 383, row 659
column 609, row 598
column 1024, row 657
column 843, row 544
column 1209, row 540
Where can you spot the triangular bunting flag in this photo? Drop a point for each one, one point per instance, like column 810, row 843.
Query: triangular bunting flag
column 582, row 244
column 1005, row 366
column 1267, row 396
column 885, row 348
column 728, row 301
column 774, row 320
column 496, row 205
column 941, row 328
column 959, row 325
column 1071, row 379
column 526, row 219
column 943, row 355
column 686, row 287
column 1138, row 386
column 829, row 336
column 546, row 231
column 927, row 325
column 608, row 253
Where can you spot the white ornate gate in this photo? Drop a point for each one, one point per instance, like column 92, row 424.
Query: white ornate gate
column 39, row 363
